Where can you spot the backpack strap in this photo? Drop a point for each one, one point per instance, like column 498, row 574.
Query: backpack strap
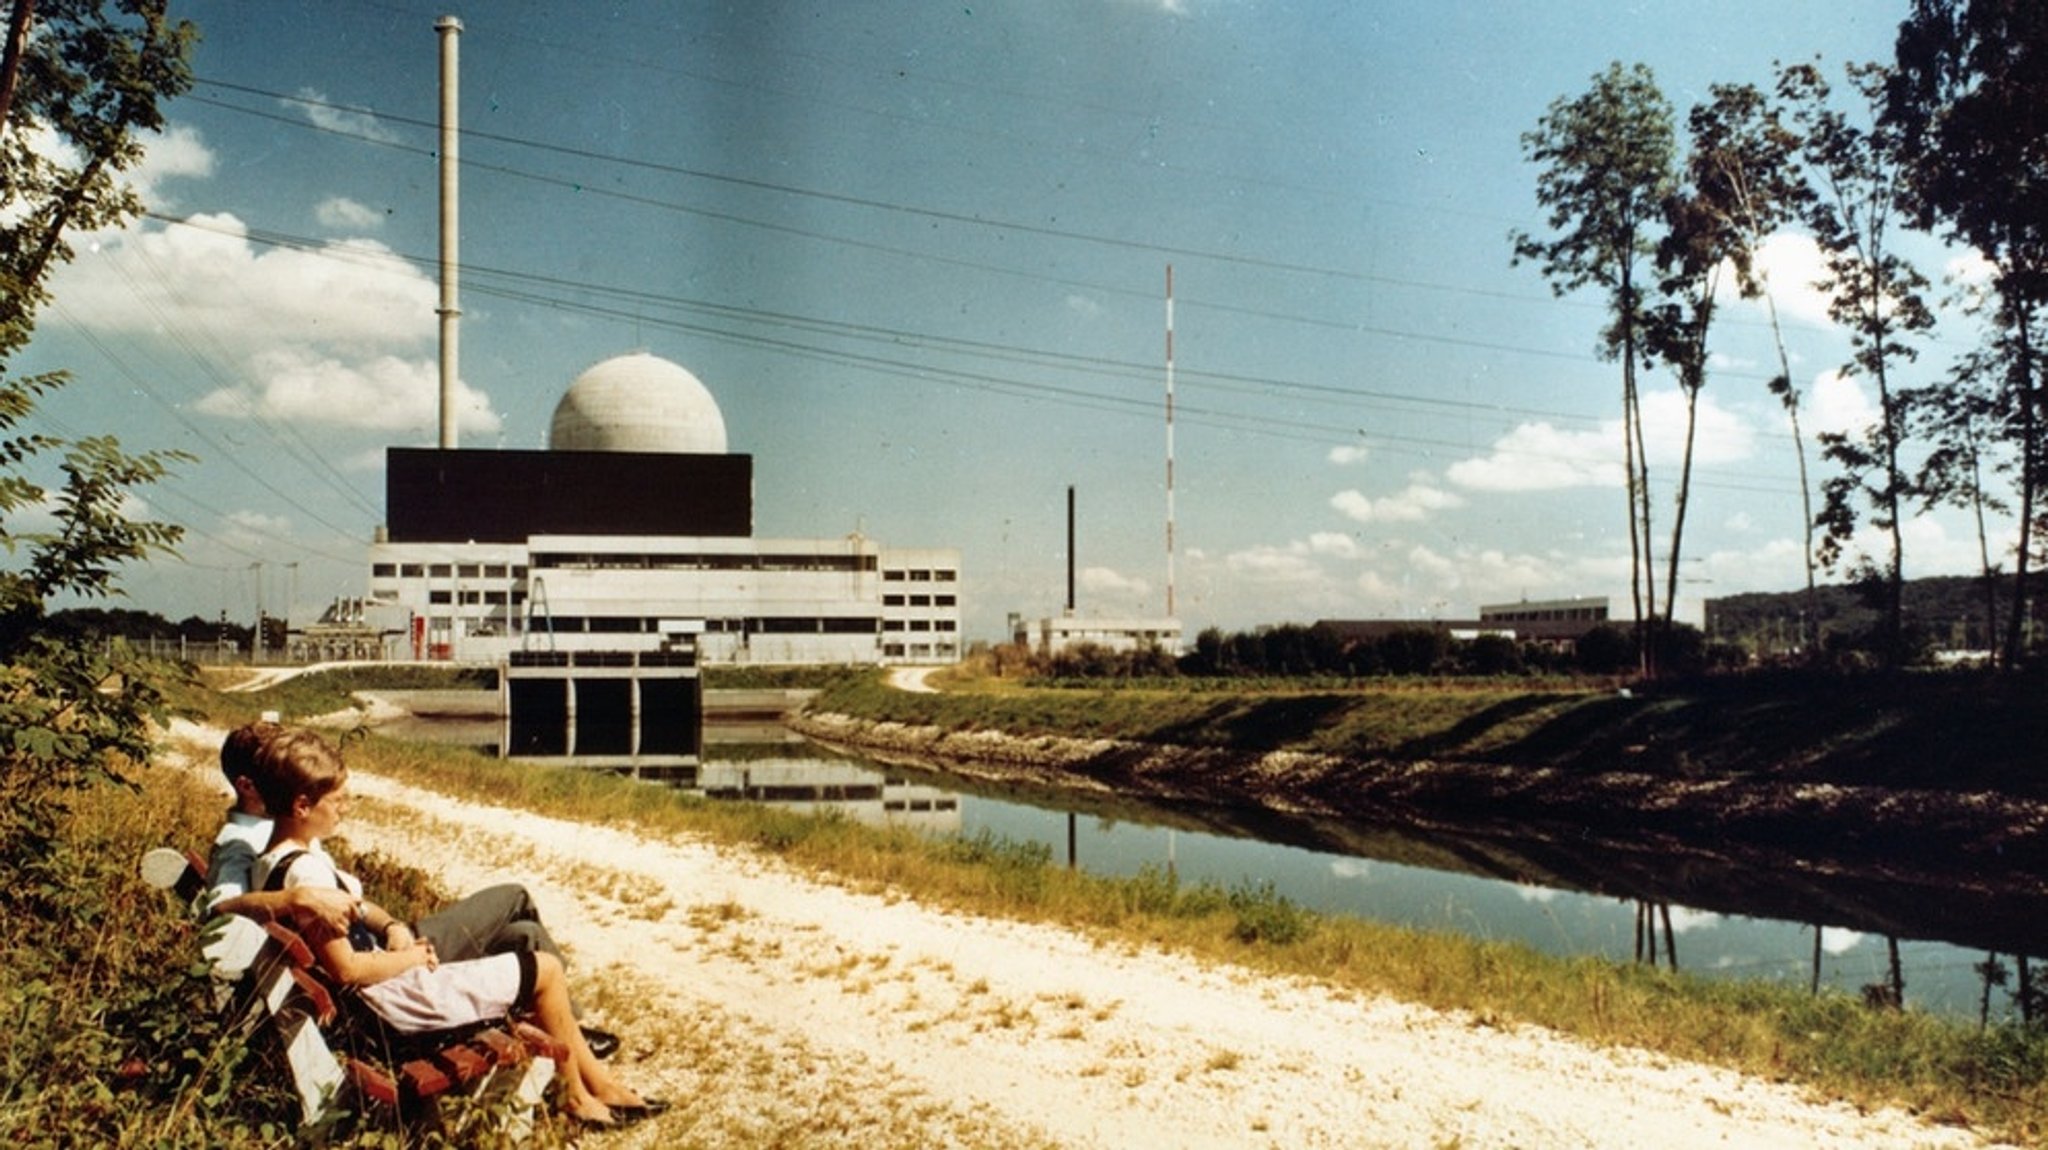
column 276, row 880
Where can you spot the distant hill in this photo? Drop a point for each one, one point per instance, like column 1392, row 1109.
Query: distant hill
column 1948, row 609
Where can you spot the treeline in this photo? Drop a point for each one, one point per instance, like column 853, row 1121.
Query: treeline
column 1660, row 215
column 1294, row 650
column 82, row 623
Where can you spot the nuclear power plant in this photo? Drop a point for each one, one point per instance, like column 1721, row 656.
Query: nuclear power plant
column 633, row 531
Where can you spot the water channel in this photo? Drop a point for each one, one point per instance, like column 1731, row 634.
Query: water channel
column 1432, row 880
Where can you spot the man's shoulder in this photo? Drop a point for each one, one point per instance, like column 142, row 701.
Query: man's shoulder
column 241, row 829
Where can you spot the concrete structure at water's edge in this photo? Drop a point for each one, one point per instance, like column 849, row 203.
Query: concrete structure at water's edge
column 633, row 531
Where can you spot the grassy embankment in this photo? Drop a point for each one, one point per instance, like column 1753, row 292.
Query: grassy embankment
column 1939, row 732
column 110, row 1052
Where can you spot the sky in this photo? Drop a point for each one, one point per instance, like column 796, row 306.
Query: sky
column 918, row 252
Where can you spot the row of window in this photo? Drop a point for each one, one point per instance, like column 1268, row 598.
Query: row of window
column 696, row 561
column 447, row 571
column 920, row 651
column 690, row 562
column 475, row 598
column 921, row 575
column 919, row 625
column 920, row 600
column 762, row 625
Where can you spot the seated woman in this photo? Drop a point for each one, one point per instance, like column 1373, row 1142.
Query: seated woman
column 305, row 787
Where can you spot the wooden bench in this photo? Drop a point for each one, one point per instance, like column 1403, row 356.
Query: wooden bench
column 342, row 1058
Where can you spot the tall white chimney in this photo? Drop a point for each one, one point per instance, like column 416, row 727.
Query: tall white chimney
column 450, row 311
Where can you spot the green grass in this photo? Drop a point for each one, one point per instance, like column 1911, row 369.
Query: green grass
column 1941, row 731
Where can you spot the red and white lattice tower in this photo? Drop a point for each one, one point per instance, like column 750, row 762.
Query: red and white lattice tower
column 1169, row 441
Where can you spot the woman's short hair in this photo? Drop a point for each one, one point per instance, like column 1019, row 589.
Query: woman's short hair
column 291, row 763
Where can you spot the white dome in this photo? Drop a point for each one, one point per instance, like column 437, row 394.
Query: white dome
column 638, row 402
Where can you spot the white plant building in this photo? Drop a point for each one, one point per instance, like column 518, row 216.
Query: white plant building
column 635, row 526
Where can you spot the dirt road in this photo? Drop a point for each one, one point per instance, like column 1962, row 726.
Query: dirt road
column 780, row 1011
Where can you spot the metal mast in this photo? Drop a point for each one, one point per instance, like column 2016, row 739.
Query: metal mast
column 1169, row 441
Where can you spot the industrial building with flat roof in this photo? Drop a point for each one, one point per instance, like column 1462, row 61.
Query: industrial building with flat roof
column 632, row 530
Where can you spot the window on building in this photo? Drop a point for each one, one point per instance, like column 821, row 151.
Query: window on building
column 945, row 600
column 383, row 570
column 411, row 571
column 892, row 600
column 438, row 596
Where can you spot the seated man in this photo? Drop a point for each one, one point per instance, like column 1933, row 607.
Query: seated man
column 497, row 919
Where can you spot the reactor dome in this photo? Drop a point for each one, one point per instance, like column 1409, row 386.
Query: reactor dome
column 638, row 402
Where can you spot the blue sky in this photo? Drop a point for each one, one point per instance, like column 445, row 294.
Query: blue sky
column 918, row 253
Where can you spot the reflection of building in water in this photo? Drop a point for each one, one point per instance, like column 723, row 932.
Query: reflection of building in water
column 826, row 786
column 635, row 526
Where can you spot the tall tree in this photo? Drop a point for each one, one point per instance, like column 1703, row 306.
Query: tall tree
column 1856, row 169
column 1737, row 187
column 1743, row 167
column 1956, row 419
column 84, row 80
column 1606, row 160
column 1969, row 100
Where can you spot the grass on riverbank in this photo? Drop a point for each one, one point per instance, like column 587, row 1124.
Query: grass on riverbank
column 1963, row 730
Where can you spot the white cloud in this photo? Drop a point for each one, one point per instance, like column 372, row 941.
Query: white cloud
column 1413, row 504
column 1838, row 940
column 344, row 214
column 1109, row 581
column 1838, row 403
column 204, row 279
column 1349, row 454
column 1083, row 306
column 382, row 393
column 1542, row 457
column 1334, row 544
column 332, row 337
column 335, row 118
column 1719, row 436
column 178, row 153
column 1684, row 919
column 1285, row 565
column 1792, row 265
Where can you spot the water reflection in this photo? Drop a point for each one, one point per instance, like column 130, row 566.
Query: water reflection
column 1929, row 935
